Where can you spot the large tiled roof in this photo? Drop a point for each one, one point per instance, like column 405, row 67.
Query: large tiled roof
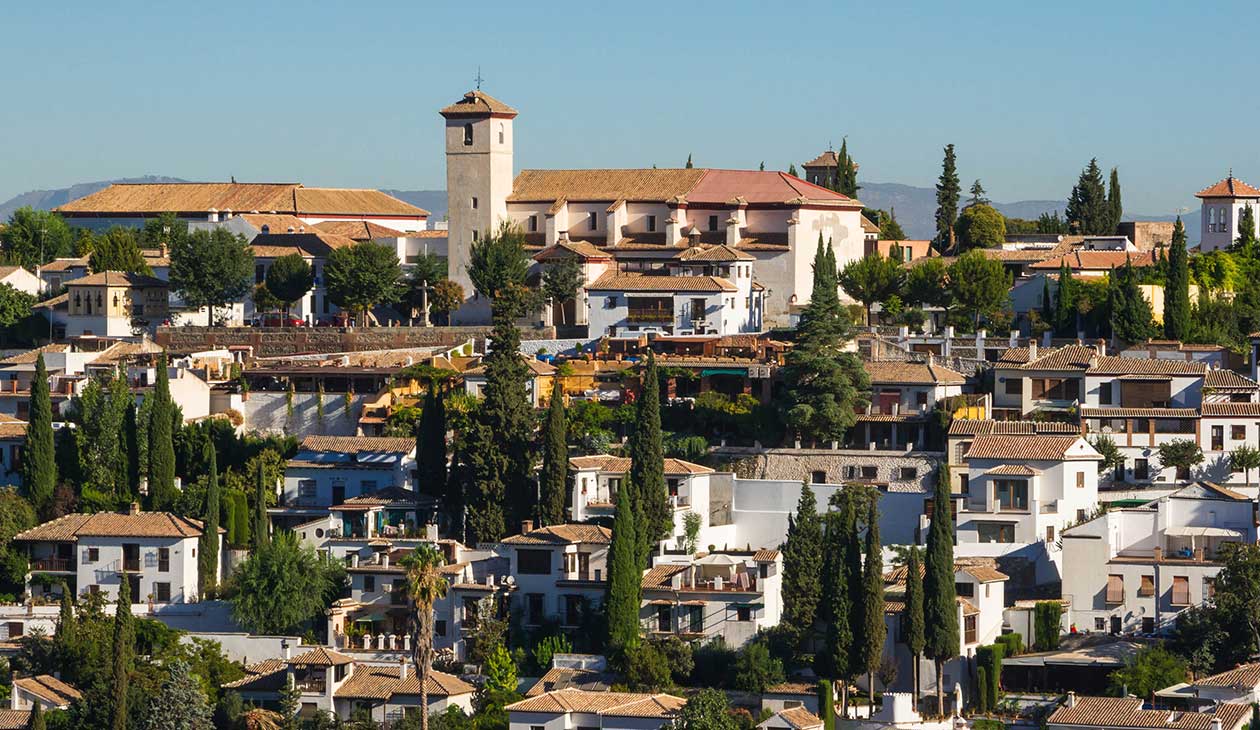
column 359, row 230
column 113, row 524
column 614, row 704
column 1241, row 676
column 265, row 676
column 978, row 427
column 321, row 657
column 918, row 373
column 292, row 198
column 118, row 278
column 358, row 444
column 1127, row 712
column 311, row 242
column 718, row 253
column 276, row 222
column 1231, row 409
column 581, row 249
column 381, row 683
column 565, row 678
column 1223, row 379
column 982, row 569
column 799, row 718
column 1106, row 412
column 15, row 719
column 477, row 103
column 49, row 689
column 1068, row 357
column 826, row 159
column 695, row 186
column 1022, row 448
column 1230, row 187
column 567, row 534
column 1120, row 365
column 1081, row 260
column 659, row 576
column 613, row 281
column 12, row 428
column 621, row 465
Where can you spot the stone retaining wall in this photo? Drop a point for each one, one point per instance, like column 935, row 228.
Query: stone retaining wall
column 279, row 341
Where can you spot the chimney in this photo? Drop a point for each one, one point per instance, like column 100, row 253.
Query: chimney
column 284, row 646
column 1215, row 724
column 402, row 668
column 385, row 558
column 354, row 560
column 1101, row 346
column 1071, row 700
column 932, row 361
column 527, row 526
column 1032, row 350
column 133, row 508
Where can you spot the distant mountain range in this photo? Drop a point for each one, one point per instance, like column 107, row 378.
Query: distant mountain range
column 915, row 206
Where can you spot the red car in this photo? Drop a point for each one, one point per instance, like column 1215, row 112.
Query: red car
column 277, row 320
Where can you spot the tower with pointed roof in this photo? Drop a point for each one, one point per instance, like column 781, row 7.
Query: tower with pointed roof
column 478, row 182
column 1221, row 206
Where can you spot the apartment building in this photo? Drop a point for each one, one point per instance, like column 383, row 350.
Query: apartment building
column 728, row 595
column 560, row 572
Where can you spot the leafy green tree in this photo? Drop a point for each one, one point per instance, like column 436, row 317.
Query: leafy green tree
column 100, row 412
column 1130, row 313
column 871, row 279
column 554, row 478
column 32, row 238
column 624, row 576
column 874, row 631
column 289, row 279
column 1177, row 287
column 547, row 648
column 825, row 384
column 16, row 515
column 181, row 704
column 15, row 306
column 211, row 268
column 425, row 585
column 1088, row 212
column 913, row 613
column 655, row 515
column 209, row 555
column 646, row 668
column 162, row 442
column 689, row 165
column 1113, row 458
column 498, row 262
column 1152, row 669
column 123, row 651
column 792, row 169
column 980, row 226
column 262, row 524
column 131, row 448
column 284, row 586
column 1246, row 243
column 1051, row 223
column 498, row 691
column 1065, row 302
column 802, row 568
column 980, row 285
column 362, row 276
column 1115, row 208
column 426, row 272
column 756, row 669
column 1180, row 453
column 39, row 464
column 1244, row 459
column 431, row 445
column 446, row 298
column 707, row 709
column 977, row 195
column 940, row 608
column 889, row 228
column 1214, row 271
column 118, row 250
column 948, row 192
column 927, row 284
column 264, row 300
column 561, row 282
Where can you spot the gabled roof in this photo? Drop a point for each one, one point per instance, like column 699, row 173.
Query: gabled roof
column 1223, row 379
column 1245, row 410
column 915, row 373
column 621, row 465
column 276, row 222
column 477, row 103
column 566, row 534
column 614, row 281
column 1083, row 260
column 612, row 704
column 982, row 569
column 113, row 524
column 381, row 683
column 1068, row 357
column 1243, row 676
column 359, row 230
column 311, row 242
column 691, row 186
column 358, row 444
column 826, row 159
column 980, row 426
column 1230, row 187
column 49, row 689
column 1120, row 365
column 719, row 253
column 1127, row 712
column 799, row 718
column 201, row 198
column 581, row 249
column 589, row 680
column 321, row 657
column 118, row 278
column 1209, row 490
column 1030, row 448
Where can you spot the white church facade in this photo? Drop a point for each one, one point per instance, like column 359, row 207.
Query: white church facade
column 645, row 219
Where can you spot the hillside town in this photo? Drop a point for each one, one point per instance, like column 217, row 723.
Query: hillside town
column 688, row 448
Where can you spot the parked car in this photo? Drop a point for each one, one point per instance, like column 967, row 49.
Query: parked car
column 277, row 320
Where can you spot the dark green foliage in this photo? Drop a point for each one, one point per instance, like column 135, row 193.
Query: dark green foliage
column 35, row 237
column 927, row 284
column 824, row 383
column 208, row 557
column 913, row 635
column 1051, row 223
column 1115, row 207
column 262, row 524
column 431, row 445
column 290, row 278
column 118, row 250
column 1246, row 243
column 1154, row 668
column 562, row 281
column 708, row 709
column 122, row 655
column 1088, row 212
column 756, row 669
column 131, row 448
column 181, row 704
column 889, row 228
column 989, row 660
column 1012, row 644
column 1047, row 619
column 980, row 226
column 162, row 442
column 846, row 172
column 832, row 661
column 1180, row 453
column 977, row 195
column 826, row 705
column 980, row 285
column 940, row 609
column 873, row 630
column 1130, row 313
column 802, row 568
column 39, row 466
column 554, row 477
column 16, row 515
column 211, row 268
column 362, row 276
column 624, row 577
column 37, row 717
column 654, row 515
column 948, row 192
column 982, row 694
column 646, row 668
column 498, row 263
column 871, row 279
column 284, row 586
column 1177, row 289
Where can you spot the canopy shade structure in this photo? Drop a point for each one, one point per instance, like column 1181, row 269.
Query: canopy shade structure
column 1192, row 531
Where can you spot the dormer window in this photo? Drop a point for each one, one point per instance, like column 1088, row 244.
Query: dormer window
column 468, row 135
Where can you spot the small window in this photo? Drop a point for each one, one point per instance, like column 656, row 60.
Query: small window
column 1181, row 591
column 474, row 203
column 1080, row 480
column 1147, row 588
column 501, row 133
column 1104, row 394
column 743, row 613
column 468, row 135
column 94, row 555
column 475, row 235
column 818, row 476
column 592, row 223
column 610, row 302
column 908, row 473
column 1013, row 386
column 1049, row 533
column 1238, row 433
column 1209, row 589
column 964, row 483
column 369, row 583
column 651, row 223
column 164, row 559
column 1100, row 623
column 869, row 472
column 966, row 590
column 439, row 628
column 162, row 592
column 1148, row 625
column 533, row 224
column 713, row 223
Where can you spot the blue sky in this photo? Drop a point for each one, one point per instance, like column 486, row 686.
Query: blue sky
column 347, row 93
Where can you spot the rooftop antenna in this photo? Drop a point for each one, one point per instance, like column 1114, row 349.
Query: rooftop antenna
column 478, row 79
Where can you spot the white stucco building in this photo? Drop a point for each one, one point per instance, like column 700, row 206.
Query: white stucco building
column 1221, row 206
column 576, row 709
column 560, row 572
column 597, row 479
column 328, row 470
column 728, row 595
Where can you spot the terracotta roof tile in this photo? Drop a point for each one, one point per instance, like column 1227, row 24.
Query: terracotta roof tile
column 613, row 704
column 635, row 185
column 1127, row 712
column 113, row 524
column 15, row 719
column 982, row 569
column 276, row 222
column 765, row 555
column 359, row 230
column 567, row 534
column 565, row 678
column 613, row 281
column 720, row 252
column 1028, row 448
column 1231, row 409
column 477, row 103
column 1243, row 676
column 358, row 444
column 621, row 465
column 1139, row 413
column 49, row 689
column 321, row 657
column 659, row 576
column 185, row 198
column 563, row 249
column 1119, row 365
column 118, row 278
column 912, row 372
column 1223, row 379
column 350, row 202
column 1068, row 357
column 1013, row 470
column 1082, row 260
column 382, row 683
column 1230, row 187
column 799, row 718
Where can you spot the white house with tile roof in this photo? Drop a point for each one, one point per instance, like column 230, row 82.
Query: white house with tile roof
column 597, row 479
column 1221, row 207
column 575, row 709
column 328, row 470
column 560, row 572
column 903, row 396
column 644, row 216
column 963, row 431
column 794, row 718
column 724, row 594
column 1135, row 568
column 50, row 692
column 156, row 551
column 1240, row 685
column 21, row 279
column 1128, row 713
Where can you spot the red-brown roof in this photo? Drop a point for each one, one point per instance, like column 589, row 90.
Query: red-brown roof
column 113, row 524
column 1127, row 712
column 695, row 186
column 613, row 704
column 1230, row 187
column 1026, row 448
column 567, row 534
column 621, row 465
column 1096, row 260
column 478, row 103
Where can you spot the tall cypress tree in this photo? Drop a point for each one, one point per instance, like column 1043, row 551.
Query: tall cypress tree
column 162, row 443
column 940, row 602
column 262, row 525
column 1115, row 207
column 65, row 618
column 846, row 172
column 914, row 614
column 124, row 646
column 948, row 191
column 1088, row 211
column 431, row 446
column 208, row 558
column 131, row 448
column 1131, row 319
column 554, row 477
column 1177, row 287
column 1047, row 303
column 833, row 661
column 647, row 466
column 852, row 509
column 1065, row 303
column 1246, row 242
column 802, row 567
column 624, row 578
column 37, row 721
column 39, row 468
column 873, row 596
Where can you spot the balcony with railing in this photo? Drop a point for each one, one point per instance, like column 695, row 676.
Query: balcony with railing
column 650, row 314
column 53, row 565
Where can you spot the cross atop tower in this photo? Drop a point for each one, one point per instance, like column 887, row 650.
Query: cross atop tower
column 478, row 78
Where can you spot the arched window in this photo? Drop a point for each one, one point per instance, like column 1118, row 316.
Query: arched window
column 500, row 132
column 468, row 134
column 1212, row 219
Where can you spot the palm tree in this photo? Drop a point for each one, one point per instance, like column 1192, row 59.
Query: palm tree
column 425, row 585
